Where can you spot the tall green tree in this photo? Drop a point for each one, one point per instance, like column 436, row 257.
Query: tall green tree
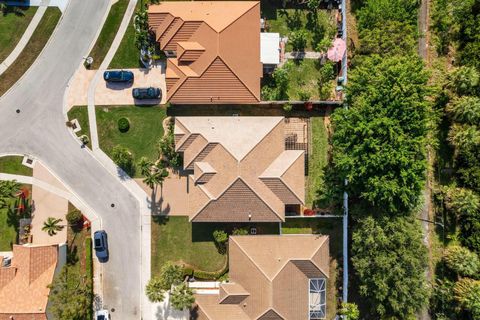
column 465, row 109
column 379, row 141
column 377, row 12
column 182, row 297
column 467, row 293
column 389, row 38
column 389, row 260
column 462, row 261
column 70, row 296
column 170, row 275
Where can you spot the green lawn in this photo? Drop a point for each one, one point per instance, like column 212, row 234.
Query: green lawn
column 13, row 165
column 175, row 239
column 109, row 30
column 8, row 233
column 316, row 162
column 127, row 55
column 80, row 113
column 12, row 27
column 324, row 226
column 145, row 128
column 285, row 21
column 32, row 50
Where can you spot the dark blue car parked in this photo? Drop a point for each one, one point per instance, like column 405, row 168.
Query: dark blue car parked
column 118, row 76
column 101, row 245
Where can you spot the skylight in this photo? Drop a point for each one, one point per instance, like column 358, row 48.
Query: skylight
column 317, row 297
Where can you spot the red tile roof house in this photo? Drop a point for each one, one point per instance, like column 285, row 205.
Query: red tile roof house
column 24, row 278
column 272, row 277
column 213, row 50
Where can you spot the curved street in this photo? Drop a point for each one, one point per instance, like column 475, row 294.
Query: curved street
column 39, row 129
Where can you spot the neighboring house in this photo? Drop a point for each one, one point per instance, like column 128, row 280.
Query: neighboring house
column 24, row 277
column 272, row 277
column 239, row 170
column 213, row 50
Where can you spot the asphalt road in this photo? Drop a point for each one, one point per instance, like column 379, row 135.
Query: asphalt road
column 39, row 130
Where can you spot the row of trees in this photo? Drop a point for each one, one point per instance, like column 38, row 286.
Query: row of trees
column 379, row 148
column 170, row 280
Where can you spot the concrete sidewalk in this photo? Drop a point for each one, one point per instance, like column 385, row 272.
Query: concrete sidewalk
column 24, row 39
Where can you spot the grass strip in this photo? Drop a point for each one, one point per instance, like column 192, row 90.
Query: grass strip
column 13, row 165
column 32, row 49
column 12, row 28
column 109, row 30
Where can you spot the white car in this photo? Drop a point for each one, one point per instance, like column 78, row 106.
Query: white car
column 102, row 315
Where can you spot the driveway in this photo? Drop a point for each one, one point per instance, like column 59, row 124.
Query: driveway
column 32, row 122
column 115, row 94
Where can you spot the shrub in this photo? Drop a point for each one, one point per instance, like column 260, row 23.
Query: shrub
column 220, row 236
column 350, row 310
column 240, row 232
column 462, row 261
column 123, row 158
column 123, row 125
column 84, row 138
column 187, row 272
column 467, row 293
column 74, row 217
column 287, row 107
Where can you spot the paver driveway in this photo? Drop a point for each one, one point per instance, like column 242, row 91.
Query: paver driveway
column 39, row 129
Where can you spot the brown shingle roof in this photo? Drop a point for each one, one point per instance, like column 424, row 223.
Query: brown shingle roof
column 233, row 156
column 274, row 271
column 26, row 293
column 218, row 50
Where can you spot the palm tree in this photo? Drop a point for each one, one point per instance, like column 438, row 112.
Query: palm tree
column 51, row 226
column 182, row 297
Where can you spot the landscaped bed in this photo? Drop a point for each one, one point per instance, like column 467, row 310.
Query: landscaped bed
column 32, row 49
column 109, row 30
column 12, row 27
column 324, row 226
column 13, row 165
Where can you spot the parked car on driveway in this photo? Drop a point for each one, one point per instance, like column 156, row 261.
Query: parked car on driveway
column 147, row 93
column 102, row 315
column 118, row 76
column 101, row 245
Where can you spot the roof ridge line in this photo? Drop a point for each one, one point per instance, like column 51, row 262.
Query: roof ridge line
column 263, row 138
column 250, row 258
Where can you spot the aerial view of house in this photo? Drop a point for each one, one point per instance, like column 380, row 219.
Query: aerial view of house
column 213, row 53
column 24, row 280
column 283, row 278
column 240, row 160
column 241, row 171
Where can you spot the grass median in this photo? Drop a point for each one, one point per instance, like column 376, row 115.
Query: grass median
column 13, row 165
column 12, row 28
column 109, row 30
column 32, row 49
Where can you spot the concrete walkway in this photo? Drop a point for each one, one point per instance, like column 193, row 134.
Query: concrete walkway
column 108, row 58
column 25, row 38
column 303, row 55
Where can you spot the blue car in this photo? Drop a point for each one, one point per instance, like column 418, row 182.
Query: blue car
column 146, row 93
column 118, row 76
column 101, row 245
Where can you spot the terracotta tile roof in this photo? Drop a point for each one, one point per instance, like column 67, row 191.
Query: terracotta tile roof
column 241, row 170
column 271, row 275
column 218, row 50
column 25, row 294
